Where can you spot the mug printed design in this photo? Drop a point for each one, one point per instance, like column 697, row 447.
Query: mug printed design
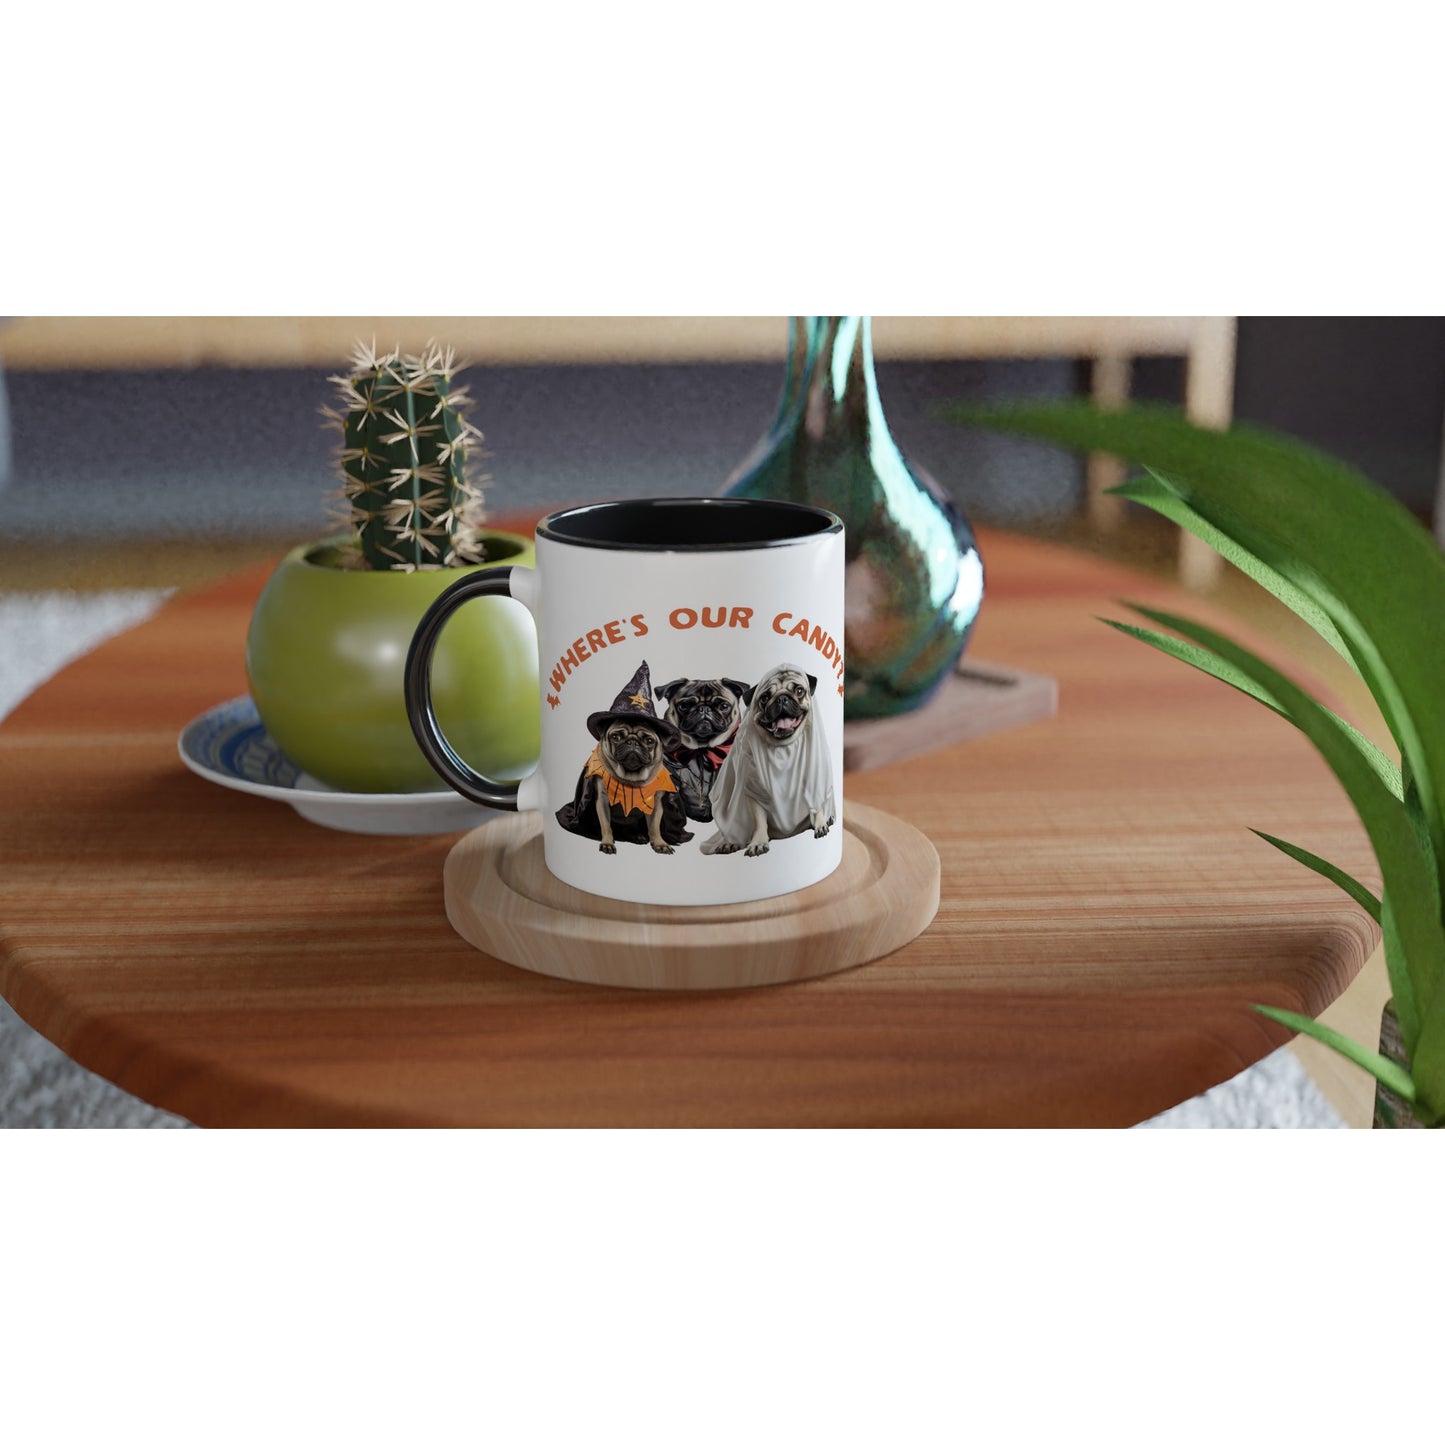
column 706, row 711
column 748, row 757
column 625, row 791
column 727, row 749
column 777, row 781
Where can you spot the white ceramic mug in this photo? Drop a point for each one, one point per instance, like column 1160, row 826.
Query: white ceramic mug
column 691, row 664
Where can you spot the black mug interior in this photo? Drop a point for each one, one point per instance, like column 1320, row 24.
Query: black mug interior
column 682, row 524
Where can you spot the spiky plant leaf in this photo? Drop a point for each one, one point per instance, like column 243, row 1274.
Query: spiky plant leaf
column 1337, row 876
column 1160, row 495
column 1427, row 1053
column 1404, row 867
column 1319, row 524
column 1415, row 811
column 1217, row 667
column 1387, row 1071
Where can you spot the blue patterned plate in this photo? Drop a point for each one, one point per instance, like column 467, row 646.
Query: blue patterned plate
column 229, row 745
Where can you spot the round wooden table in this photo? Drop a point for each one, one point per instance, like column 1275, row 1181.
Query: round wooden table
column 1106, row 919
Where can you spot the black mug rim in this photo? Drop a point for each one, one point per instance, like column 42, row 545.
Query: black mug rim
column 821, row 523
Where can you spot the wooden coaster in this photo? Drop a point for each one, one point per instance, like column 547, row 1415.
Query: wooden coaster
column 501, row 899
column 980, row 698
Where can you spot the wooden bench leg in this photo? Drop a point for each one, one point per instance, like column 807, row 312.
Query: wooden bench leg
column 1208, row 401
column 1109, row 387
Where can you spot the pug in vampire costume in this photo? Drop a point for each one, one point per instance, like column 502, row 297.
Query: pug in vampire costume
column 777, row 781
column 706, row 713
column 625, row 793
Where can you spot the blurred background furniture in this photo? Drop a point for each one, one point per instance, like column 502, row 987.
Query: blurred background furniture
column 4, row 432
column 1107, row 345
column 152, row 409
column 87, row 342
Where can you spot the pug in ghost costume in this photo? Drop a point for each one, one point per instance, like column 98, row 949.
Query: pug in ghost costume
column 777, row 781
column 625, row 793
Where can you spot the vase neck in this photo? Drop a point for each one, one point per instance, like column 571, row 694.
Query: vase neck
column 802, row 350
column 830, row 385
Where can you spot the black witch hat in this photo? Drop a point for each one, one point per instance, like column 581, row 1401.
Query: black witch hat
column 634, row 704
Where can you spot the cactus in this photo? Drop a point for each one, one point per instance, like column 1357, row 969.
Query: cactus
column 411, row 497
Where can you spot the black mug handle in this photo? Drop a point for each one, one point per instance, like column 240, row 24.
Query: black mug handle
column 453, row 770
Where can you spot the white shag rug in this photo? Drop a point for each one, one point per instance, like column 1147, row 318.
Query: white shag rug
column 41, row 1088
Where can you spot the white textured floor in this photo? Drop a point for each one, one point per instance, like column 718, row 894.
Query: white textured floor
column 41, row 1088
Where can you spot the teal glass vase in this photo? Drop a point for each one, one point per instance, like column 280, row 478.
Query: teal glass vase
column 914, row 578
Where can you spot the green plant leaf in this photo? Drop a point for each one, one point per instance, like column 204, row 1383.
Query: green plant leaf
column 1337, row 876
column 1398, row 969
column 1405, row 868
column 1320, row 525
column 1162, row 496
column 1427, row 1054
column 1208, row 662
column 1415, row 811
column 1386, row 771
column 1387, row 1071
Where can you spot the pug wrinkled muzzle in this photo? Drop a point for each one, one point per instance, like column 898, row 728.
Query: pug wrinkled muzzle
column 634, row 753
column 705, row 719
column 783, row 716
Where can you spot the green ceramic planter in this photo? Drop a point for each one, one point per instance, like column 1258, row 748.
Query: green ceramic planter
column 327, row 649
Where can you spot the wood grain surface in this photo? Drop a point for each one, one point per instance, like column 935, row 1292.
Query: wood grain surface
column 501, row 898
column 1106, row 918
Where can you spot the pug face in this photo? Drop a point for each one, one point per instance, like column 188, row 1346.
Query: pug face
column 633, row 751
column 781, row 710
column 706, row 711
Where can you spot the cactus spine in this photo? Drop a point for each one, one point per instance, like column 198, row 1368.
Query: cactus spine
column 412, row 499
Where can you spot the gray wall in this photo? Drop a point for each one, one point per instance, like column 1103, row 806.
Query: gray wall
column 212, row 452
column 217, row 452
column 1370, row 389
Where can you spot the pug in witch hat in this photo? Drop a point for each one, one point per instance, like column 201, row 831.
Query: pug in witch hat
column 625, row 793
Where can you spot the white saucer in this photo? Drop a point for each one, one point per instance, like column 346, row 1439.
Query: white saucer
column 229, row 745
